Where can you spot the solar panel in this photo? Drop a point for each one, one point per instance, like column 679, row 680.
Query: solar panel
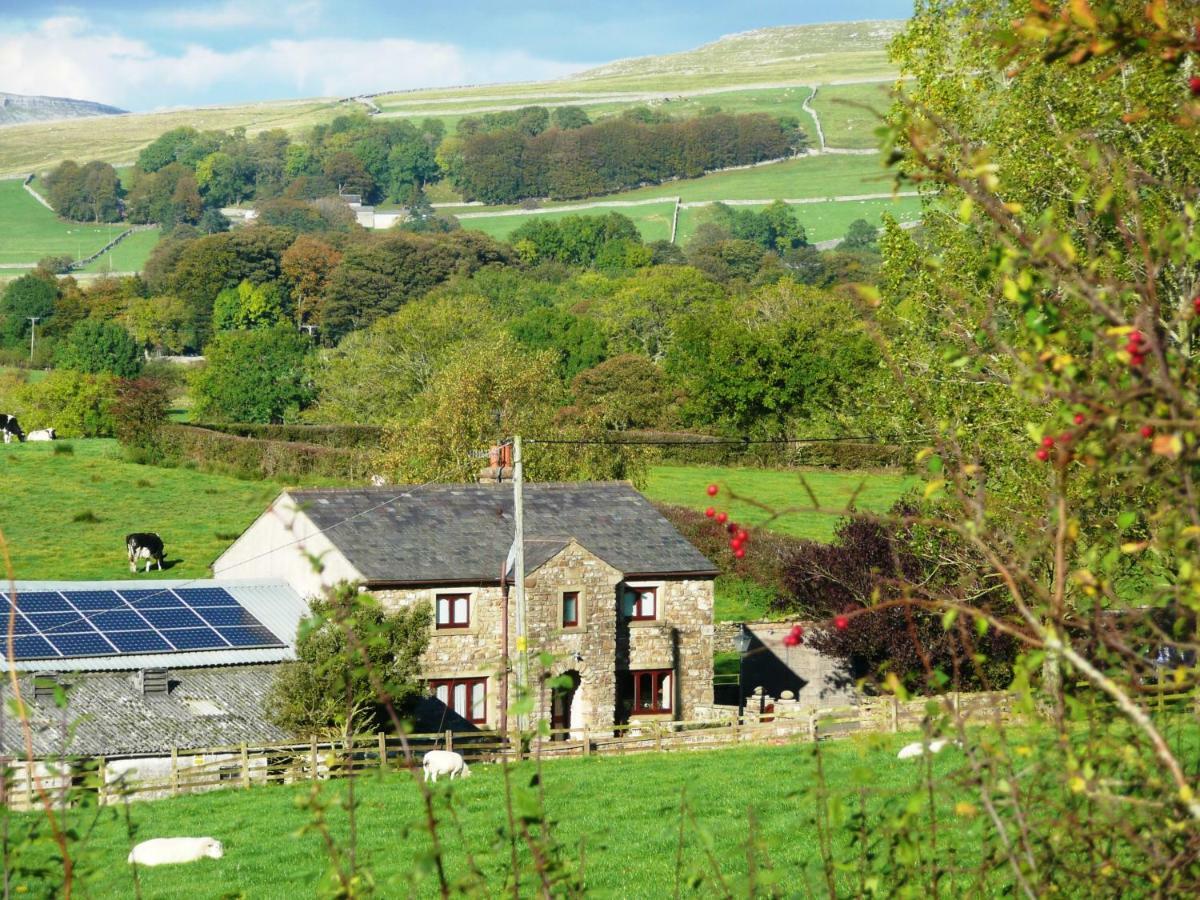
column 65, row 624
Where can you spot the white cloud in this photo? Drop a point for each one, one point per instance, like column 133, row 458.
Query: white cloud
column 68, row 57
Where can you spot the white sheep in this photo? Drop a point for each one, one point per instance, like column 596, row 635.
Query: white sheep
column 444, row 762
column 918, row 749
column 44, row 434
column 161, row 851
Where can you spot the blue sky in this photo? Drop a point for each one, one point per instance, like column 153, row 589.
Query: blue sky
column 147, row 55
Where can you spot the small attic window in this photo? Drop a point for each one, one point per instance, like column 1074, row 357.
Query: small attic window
column 203, row 707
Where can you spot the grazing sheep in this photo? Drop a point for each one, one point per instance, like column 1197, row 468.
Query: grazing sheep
column 444, row 762
column 918, row 749
column 43, row 434
column 161, row 851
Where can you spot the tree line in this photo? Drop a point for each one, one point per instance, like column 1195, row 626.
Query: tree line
column 185, row 176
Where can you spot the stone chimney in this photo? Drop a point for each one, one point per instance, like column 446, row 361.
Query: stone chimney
column 499, row 467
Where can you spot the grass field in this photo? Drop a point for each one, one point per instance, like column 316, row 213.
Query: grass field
column 129, row 255
column 780, row 489
column 29, row 231
column 821, row 221
column 631, row 840
column 45, row 490
column 653, row 221
column 850, row 113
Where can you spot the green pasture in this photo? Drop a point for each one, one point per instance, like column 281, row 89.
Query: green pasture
column 850, row 113
column 128, row 256
column 781, row 490
column 29, row 231
column 653, row 221
column 822, row 221
column 620, row 816
column 46, row 486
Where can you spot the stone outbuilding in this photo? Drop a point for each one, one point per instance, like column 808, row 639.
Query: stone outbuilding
column 614, row 594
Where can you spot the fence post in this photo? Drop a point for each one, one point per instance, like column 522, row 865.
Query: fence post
column 894, row 714
column 382, row 752
column 658, row 734
column 174, row 771
column 812, row 725
column 449, row 739
column 587, row 741
column 245, row 766
column 313, row 776
column 101, row 774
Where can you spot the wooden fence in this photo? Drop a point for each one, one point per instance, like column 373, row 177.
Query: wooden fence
column 214, row 768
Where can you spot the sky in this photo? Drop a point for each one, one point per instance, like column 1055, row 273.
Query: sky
column 145, row 54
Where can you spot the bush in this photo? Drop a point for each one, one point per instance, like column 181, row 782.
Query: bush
column 309, row 696
column 139, row 413
column 871, row 563
column 72, row 403
column 95, row 346
column 254, row 376
column 341, row 436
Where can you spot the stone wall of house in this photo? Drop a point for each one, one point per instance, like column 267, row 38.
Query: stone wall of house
column 594, row 652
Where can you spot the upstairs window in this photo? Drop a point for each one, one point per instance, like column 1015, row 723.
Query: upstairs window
column 453, row 611
column 570, row 609
column 640, row 603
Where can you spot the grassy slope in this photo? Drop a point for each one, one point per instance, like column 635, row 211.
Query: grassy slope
column 631, row 836
column 780, row 489
column 129, row 255
column 196, row 514
column 850, row 113
column 117, row 139
column 29, row 231
column 821, row 221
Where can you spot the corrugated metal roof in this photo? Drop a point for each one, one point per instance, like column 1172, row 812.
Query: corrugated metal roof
column 272, row 602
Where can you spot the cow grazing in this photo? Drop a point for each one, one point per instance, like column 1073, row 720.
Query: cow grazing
column 44, row 434
column 161, row 851
column 11, row 428
column 144, row 545
column 444, row 762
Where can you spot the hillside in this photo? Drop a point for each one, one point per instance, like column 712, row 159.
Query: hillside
column 767, row 57
column 18, row 108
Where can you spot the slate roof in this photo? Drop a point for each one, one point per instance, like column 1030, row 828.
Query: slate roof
column 461, row 533
column 106, row 714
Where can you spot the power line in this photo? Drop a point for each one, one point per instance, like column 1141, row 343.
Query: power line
column 714, row 442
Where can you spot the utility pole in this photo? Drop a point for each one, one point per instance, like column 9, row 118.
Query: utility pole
column 33, row 320
column 519, row 571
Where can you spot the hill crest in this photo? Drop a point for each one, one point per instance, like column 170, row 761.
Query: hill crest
column 16, row 109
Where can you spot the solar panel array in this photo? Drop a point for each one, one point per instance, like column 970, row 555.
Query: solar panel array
column 71, row 624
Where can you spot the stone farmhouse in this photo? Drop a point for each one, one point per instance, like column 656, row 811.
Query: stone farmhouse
column 619, row 598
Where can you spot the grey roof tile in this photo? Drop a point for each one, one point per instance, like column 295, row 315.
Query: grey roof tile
column 462, row 532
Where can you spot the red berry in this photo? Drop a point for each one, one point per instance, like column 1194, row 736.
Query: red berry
column 1196, row 303
column 712, row 490
column 735, row 543
column 1065, row 438
column 1133, row 347
column 721, row 517
column 742, row 535
column 732, row 528
column 739, row 552
column 710, row 512
column 791, row 640
column 1147, row 431
column 841, row 623
column 797, row 630
column 1043, row 454
column 1079, row 419
column 1047, row 441
column 1136, row 360
column 1136, row 337
column 1194, row 85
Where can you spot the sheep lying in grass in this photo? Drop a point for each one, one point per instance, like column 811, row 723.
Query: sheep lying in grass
column 918, row 749
column 161, row 851
column 444, row 762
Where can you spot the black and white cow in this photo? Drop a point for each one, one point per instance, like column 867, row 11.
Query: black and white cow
column 43, row 434
column 144, row 545
column 11, row 429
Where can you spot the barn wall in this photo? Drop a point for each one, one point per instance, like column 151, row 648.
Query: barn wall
column 278, row 545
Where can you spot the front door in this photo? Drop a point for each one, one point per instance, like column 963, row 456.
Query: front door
column 560, row 709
